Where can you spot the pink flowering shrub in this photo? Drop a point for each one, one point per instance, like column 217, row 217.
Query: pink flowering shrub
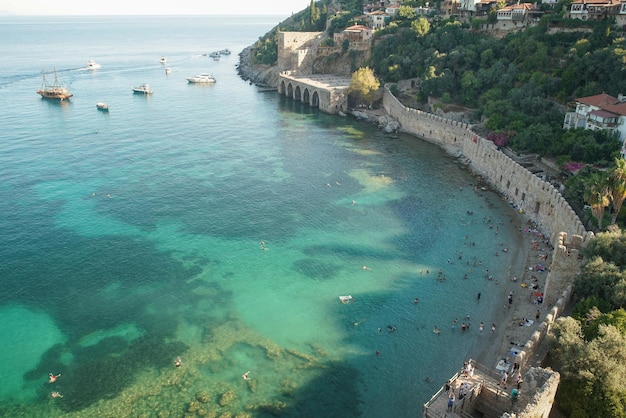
column 500, row 138
column 573, row 166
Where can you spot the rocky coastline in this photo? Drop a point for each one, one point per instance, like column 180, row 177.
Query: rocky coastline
column 258, row 74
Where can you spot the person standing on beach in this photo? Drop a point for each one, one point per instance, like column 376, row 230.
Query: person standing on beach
column 505, row 377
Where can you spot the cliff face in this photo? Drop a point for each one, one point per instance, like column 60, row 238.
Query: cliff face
column 327, row 60
column 261, row 75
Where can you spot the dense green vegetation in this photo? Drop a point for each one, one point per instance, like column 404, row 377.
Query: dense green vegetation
column 590, row 346
column 520, row 84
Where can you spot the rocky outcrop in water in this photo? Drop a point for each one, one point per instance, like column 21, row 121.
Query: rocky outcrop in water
column 259, row 74
column 378, row 117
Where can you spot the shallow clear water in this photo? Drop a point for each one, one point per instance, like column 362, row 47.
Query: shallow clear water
column 132, row 237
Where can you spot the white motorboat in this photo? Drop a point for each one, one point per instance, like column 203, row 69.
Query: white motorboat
column 225, row 51
column 102, row 106
column 143, row 89
column 92, row 65
column 163, row 60
column 168, row 70
column 215, row 55
column 202, row 79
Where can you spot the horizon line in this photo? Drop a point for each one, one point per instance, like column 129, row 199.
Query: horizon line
column 2, row 14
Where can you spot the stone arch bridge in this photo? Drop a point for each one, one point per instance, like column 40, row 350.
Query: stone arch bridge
column 327, row 92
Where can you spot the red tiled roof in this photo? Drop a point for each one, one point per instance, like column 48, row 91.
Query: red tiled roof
column 357, row 28
column 603, row 114
column 523, row 6
column 605, row 102
column 597, row 2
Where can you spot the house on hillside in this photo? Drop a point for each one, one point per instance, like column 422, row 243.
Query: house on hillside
column 481, row 7
column 517, row 16
column 620, row 19
column 476, row 8
column 377, row 19
column 595, row 9
column 599, row 112
column 392, row 9
column 354, row 33
column 374, row 6
column 449, row 7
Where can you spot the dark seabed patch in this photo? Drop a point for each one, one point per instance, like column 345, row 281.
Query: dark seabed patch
column 316, row 269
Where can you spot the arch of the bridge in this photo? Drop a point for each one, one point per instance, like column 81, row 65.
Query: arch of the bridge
column 315, row 99
column 295, row 91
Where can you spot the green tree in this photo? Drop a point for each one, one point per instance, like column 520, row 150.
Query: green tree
column 610, row 246
column 602, row 279
column 592, row 371
column 406, row 12
column 597, row 195
column 469, row 83
column 618, row 187
column 420, row 26
column 364, row 84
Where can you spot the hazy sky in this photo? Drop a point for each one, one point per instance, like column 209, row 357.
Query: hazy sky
column 151, row 7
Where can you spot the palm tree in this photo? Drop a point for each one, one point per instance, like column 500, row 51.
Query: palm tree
column 596, row 194
column 618, row 187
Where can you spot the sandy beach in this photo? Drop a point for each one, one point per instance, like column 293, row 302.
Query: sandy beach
column 517, row 321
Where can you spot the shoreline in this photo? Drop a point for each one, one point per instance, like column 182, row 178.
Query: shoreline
column 534, row 250
column 509, row 333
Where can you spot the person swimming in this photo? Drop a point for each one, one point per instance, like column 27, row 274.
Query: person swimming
column 56, row 395
column 178, row 362
column 245, row 375
column 53, row 378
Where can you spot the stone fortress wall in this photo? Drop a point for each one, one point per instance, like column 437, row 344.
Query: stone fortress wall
column 537, row 199
column 297, row 50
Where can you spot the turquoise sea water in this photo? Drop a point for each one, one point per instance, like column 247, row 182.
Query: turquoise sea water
column 132, row 237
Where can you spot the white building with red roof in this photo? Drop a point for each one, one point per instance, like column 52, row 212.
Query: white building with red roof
column 517, row 16
column 377, row 19
column 599, row 112
column 354, row 33
column 595, row 9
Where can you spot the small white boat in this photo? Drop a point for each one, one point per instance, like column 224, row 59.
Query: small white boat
column 143, row 89
column 201, row 79
column 92, row 65
column 225, row 51
column 102, row 106
column 215, row 55
column 163, row 60
column 168, row 70
column 346, row 299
